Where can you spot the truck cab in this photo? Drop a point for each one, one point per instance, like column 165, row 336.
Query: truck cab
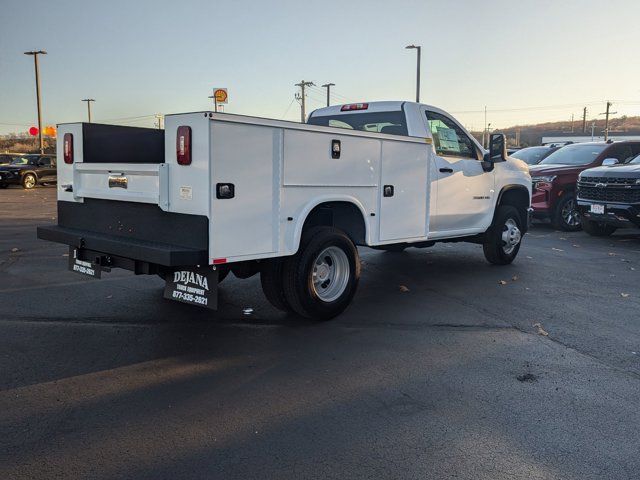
column 216, row 193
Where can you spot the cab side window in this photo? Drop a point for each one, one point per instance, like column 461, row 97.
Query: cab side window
column 622, row 153
column 449, row 139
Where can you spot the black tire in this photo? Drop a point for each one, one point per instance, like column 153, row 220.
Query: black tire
column 29, row 181
column 272, row 286
column 298, row 280
column 3, row 186
column 597, row 229
column 494, row 247
column 559, row 220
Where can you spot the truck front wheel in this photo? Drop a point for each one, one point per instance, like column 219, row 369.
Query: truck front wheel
column 321, row 279
column 503, row 238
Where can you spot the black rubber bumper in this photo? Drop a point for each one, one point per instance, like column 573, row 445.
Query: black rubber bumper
column 144, row 251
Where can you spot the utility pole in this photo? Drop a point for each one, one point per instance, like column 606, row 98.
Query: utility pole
column 88, row 100
column 584, row 120
column 606, row 120
column 159, row 119
column 419, row 50
column 572, row 123
column 328, row 87
column 301, row 97
column 35, row 54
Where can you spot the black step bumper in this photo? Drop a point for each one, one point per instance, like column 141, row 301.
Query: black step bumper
column 138, row 250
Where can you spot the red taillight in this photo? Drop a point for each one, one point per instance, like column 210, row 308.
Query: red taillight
column 67, row 148
column 354, row 106
column 183, row 145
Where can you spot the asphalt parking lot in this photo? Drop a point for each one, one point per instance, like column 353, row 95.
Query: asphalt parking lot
column 443, row 367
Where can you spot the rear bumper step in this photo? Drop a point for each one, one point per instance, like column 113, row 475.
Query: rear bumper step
column 145, row 251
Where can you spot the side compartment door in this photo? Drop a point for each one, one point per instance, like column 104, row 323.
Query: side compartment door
column 404, row 190
column 465, row 191
column 245, row 166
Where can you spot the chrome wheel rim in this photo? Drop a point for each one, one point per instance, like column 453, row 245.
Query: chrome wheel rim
column 330, row 274
column 570, row 215
column 511, row 236
column 29, row 181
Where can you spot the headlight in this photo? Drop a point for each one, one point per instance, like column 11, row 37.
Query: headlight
column 547, row 179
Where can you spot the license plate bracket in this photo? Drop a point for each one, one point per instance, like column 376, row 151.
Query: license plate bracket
column 193, row 285
column 83, row 267
column 597, row 209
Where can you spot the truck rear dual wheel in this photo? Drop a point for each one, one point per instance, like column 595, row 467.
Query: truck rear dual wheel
column 597, row 229
column 320, row 280
column 503, row 239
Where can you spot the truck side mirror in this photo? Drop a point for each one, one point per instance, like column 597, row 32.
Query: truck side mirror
column 607, row 162
column 497, row 151
column 497, row 148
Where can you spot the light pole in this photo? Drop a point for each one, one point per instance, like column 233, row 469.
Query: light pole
column 328, row 87
column 88, row 100
column 419, row 49
column 215, row 102
column 35, row 54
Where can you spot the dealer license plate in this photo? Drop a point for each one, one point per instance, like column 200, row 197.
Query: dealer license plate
column 599, row 209
column 197, row 286
column 82, row 266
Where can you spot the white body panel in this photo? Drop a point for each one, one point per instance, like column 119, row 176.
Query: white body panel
column 282, row 170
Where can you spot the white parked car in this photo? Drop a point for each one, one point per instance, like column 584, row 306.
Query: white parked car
column 215, row 193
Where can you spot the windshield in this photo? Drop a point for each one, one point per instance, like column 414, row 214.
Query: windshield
column 574, row 155
column 531, row 155
column 635, row 160
column 19, row 161
column 392, row 123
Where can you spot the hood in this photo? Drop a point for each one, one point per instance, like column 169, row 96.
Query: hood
column 537, row 170
column 632, row 170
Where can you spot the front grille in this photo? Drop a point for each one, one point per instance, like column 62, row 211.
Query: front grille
column 613, row 194
column 610, row 180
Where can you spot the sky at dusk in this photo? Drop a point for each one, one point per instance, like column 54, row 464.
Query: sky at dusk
column 527, row 61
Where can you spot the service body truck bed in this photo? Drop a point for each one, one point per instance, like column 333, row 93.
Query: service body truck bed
column 214, row 193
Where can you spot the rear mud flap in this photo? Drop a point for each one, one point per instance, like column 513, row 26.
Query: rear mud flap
column 193, row 285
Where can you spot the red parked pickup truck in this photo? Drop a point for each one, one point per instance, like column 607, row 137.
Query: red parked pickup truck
column 554, row 179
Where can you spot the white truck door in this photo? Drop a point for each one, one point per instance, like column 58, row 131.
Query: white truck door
column 404, row 190
column 465, row 191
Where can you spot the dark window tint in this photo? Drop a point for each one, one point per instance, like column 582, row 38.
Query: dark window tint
column 623, row 153
column 448, row 138
column 577, row 154
column 532, row 155
column 393, row 123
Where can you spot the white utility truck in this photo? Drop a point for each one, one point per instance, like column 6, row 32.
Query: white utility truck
column 217, row 193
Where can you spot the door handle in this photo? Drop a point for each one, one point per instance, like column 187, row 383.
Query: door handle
column 446, row 170
column 388, row 191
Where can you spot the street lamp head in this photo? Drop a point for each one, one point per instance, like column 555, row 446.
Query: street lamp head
column 36, row 52
column 88, row 100
column 328, row 85
column 412, row 46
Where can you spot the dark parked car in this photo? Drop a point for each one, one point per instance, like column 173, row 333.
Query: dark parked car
column 28, row 171
column 555, row 177
column 533, row 155
column 6, row 158
column 609, row 197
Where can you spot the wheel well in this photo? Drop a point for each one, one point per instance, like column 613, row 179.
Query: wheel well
column 342, row 215
column 517, row 197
